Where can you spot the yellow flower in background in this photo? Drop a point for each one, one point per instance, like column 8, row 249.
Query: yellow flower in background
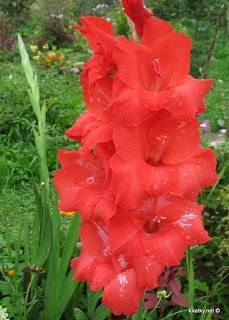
column 33, row 48
column 60, row 58
column 11, row 272
column 53, row 57
column 45, row 46
column 36, row 58
column 71, row 214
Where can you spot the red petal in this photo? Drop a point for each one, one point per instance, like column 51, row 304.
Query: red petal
column 67, row 191
column 95, row 69
column 105, row 151
column 102, row 274
column 126, row 105
column 128, row 194
column 134, row 62
column 192, row 225
column 173, row 69
column 152, row 68
column 184, row 179
column 94, row 238
column 129, row 243
column 84, row 266
column 81, row 174
column 122, row 294
column 148, row 271
column 196, row 173
column 89, row 130
column 171, row 139
column 166, row 209
column 156, row 180
column 98, row 31
column 155, row 30
column 86, row 200
column 167, row 246
column 104, row 208
column 137, row 13
column 88, row 269
column 188, row 96
column 130, row 141
column 97, row 87
column 81, row 167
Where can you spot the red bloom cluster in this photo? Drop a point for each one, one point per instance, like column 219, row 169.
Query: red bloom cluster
column 136, row 178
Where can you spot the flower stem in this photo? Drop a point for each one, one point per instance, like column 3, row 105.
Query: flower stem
column 213, row 41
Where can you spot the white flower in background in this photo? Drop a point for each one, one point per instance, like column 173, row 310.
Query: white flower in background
column 100, row 6
column 3, row 314
column 10, row 76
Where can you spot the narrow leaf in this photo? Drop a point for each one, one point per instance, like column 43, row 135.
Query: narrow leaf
column 79, row 314
column 25, row 61
column 101, row 312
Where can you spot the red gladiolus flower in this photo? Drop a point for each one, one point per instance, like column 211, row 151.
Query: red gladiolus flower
column 90, row 130
column 150, row 79
column 172, row 139
column 140, row 179
column 82, row 177
column 100, row 35
column 136, row 178
column 121, row 292
column 155, row 235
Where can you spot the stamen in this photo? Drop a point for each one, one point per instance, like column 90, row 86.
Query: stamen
column 157, row 67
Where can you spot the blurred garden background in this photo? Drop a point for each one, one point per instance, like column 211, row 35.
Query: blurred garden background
column 57, row 53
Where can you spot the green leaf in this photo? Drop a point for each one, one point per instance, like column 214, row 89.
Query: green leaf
column 35, row 90
column 39, row 144
column 35, row 104
column 67, row 290
column 42, row 122
column 5, row 302
column 101, row 312
column 25, row 61
column 5, row 288
column 202, row 286
column 69, row 246
column 79, row 314
column 207, row 316
column 92, row 300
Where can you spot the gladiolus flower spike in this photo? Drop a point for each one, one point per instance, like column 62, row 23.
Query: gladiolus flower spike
column 137, row 176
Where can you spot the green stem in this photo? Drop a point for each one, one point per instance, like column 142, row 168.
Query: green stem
column 173, row 314
column 191, row 289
